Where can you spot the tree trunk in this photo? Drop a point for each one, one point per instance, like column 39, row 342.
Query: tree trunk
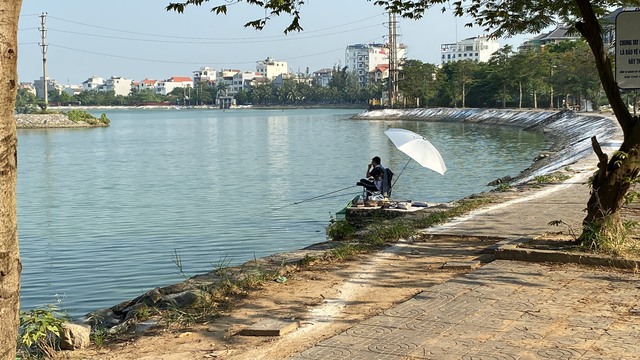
column 10, row 265
column 614, row 177
column 519, row 94
column 504, row 96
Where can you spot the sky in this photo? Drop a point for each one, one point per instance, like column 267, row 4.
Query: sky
column 139, row 39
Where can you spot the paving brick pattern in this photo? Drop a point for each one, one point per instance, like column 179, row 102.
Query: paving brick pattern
column 505, row 310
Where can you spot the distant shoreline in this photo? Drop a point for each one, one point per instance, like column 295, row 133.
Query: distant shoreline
column 211, row 107
column 50, row 121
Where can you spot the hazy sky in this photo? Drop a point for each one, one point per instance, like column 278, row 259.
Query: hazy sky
column 139, row 39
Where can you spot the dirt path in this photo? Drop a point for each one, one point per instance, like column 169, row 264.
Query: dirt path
column 326, row 298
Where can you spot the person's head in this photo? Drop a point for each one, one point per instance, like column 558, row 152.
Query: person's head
column 375, row 160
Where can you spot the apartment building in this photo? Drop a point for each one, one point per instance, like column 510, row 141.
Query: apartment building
column 93, row 83
column 51, row 86
column 271, row 68
column 479, row 48
column 205, row 74
column 322, row 77
column 119, row 85
column 166, row 86
column 362, row 59
column 242, row 81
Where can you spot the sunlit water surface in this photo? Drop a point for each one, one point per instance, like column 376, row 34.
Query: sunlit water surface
column 103, row 212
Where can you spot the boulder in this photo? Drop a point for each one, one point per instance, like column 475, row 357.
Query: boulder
column 74, row 336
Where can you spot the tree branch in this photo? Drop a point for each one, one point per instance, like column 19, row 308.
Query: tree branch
column 603, row 160
column 590, row 30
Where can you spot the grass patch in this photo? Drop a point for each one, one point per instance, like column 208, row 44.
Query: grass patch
column 340, row 230
column 83, row 116
column 551, row 178
column 379, row 233
column 503, row 187
column 215, row 298
column 616, row 241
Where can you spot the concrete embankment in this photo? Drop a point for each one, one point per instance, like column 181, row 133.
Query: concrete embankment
column 569, row 132
column 42, row 121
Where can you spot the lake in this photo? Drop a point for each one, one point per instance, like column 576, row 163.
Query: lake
column 103, row 212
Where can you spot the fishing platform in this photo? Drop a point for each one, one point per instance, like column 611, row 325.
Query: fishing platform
column 359, row 212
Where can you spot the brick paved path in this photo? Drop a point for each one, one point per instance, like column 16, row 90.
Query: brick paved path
column 505, row 310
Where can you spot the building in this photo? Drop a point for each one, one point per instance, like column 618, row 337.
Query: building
column 322, row 77
column 380, row 72
column 479, row 48
column 242, row 81
column 271, row 68
column 119, row 85
column 279, row 80
column 608, row 23
column 559, row 34
column 147, row 84
column 93, row 83
column 205, row 74
column 51, row 86
column 224, row 81
column 73, row 90
column 362, row 59
column 28, row 86
column 167, row 86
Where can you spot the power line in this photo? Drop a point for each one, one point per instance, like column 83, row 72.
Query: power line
column 212, row 41
column 193, row 62
column 197, row 38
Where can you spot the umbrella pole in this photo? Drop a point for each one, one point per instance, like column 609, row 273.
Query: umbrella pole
column 397, row 177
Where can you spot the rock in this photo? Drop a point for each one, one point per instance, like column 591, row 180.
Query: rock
column 104, row 318
column 541, row 156
column 502, row 180
column 137, row 311
column 181, row 300
column 152, row 297
column 145, row 325
column 74, row 336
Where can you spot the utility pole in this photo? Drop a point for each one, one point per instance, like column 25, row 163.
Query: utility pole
column 393, row 61
column 43, row 44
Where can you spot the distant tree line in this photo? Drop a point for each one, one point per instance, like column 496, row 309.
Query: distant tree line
column 557, row 75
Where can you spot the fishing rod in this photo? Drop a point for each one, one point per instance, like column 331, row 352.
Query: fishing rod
column 318, row 197
column 398, row 177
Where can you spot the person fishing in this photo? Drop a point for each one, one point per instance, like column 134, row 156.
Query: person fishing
column 374, row 177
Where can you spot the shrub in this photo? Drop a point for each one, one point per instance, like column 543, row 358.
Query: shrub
column 39, row 332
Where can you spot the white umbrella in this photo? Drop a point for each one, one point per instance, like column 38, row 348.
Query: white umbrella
column 418, row 148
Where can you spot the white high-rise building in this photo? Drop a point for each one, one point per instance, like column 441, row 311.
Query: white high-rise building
column 479, row 48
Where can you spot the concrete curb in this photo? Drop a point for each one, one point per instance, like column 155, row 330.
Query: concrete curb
column 511, row 251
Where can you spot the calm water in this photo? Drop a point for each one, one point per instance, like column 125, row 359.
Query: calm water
column 103, row 211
